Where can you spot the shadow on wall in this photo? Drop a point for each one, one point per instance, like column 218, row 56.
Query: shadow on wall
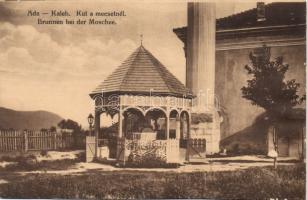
column 250, row 140
column 225, row 123
column 253, row 139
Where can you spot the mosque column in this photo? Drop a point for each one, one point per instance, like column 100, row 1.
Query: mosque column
column 201, row 31
column 200, row 77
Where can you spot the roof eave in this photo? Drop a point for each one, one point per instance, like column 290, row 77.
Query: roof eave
column 296, row 28
column 107, row 93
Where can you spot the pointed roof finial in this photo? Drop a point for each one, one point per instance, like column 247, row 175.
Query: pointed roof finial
column 141, row 39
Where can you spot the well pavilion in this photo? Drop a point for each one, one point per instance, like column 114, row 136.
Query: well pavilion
column 147, row 99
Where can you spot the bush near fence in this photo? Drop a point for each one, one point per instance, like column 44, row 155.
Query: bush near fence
column 11, row 140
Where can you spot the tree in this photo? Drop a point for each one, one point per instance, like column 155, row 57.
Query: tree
column 268, row 88
column 52, row 129
column 69, row 124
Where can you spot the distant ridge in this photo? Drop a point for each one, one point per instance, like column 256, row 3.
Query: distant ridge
column 34, row 120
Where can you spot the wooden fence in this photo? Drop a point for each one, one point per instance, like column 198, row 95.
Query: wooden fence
column 38, row 140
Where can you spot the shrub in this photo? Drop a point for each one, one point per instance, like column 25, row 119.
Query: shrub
column 30, row 163
column 148, row 160
column 7, row 158
column 44, row 153
column 81, row 157
column 23, row 163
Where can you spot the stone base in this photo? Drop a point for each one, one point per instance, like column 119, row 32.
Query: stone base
column 209, row 131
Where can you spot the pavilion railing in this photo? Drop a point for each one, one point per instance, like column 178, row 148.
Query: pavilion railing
column 164, row 150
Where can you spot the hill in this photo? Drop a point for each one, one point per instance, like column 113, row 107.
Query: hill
column 20, row 120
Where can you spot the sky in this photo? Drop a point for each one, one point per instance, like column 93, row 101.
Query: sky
column 55, row 67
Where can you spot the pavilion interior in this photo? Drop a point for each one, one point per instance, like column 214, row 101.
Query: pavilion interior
column 135, row 124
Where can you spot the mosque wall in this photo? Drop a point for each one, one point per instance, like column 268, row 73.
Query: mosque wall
column 238, row 113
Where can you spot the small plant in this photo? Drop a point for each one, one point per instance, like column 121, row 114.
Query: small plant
column 44, row 153
column 81, row 157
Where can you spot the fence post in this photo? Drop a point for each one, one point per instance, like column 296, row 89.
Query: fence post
column 55, row 140
column 26, row 141
column 15, row 140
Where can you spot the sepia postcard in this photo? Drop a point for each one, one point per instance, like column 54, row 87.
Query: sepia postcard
column 152, row 99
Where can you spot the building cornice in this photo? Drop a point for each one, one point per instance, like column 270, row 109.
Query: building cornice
column 260, row 28
column 223, row 46
column 297, row 29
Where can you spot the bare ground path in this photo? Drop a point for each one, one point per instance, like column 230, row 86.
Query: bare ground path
column 213, row 165
column 62, row 175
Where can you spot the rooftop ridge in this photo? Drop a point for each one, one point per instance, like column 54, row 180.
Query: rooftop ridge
column 138, row 74
column 137, row 52
column 117, row 70
column 158, row 67
column 165, row 71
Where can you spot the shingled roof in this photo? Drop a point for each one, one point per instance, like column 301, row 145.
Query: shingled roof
column 276, row 14
column 142, row 73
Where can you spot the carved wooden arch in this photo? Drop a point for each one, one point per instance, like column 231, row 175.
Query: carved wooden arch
column 174, row 109
column 158, row 108
column 134, row 107
column 98, row 100
column 186, row 111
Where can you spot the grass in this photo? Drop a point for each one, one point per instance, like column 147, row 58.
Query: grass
column 253, row 183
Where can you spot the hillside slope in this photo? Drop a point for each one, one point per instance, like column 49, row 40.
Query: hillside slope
column 27, row 119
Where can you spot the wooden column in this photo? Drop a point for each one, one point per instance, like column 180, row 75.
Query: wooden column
column 125, row 120
column 181, row 127
column 96, row 129
column 167, row 127
column 177, row 126
column 120, row 123
column 188, row 118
